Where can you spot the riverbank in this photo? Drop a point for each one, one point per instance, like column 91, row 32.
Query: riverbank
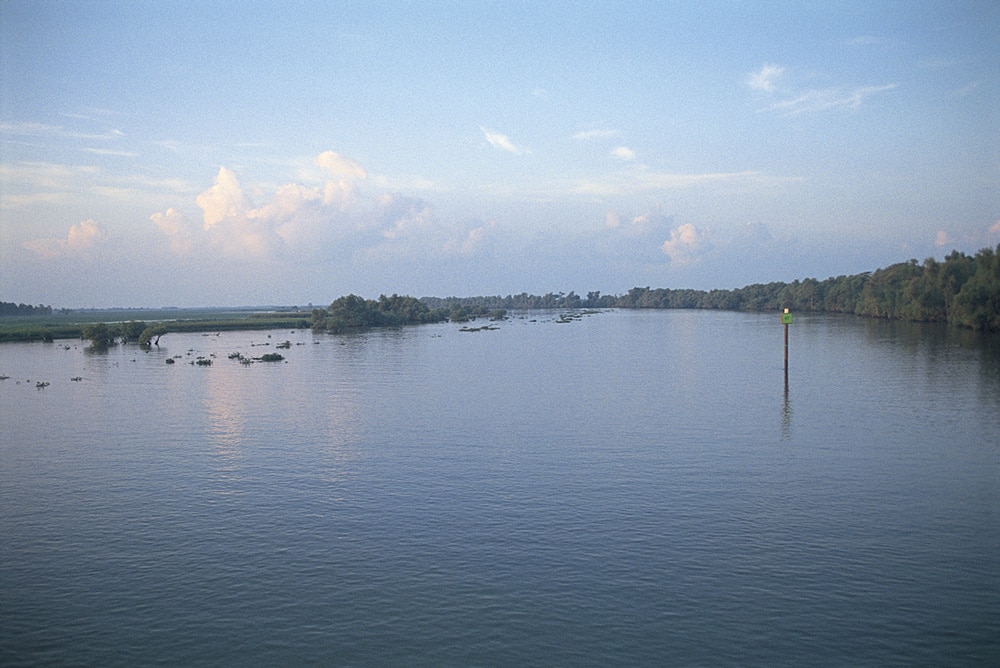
column 70, row 325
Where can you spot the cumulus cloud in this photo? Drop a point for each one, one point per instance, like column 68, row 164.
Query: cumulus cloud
column 410, row 225
column 474, row 240
column 942, row 239
column 340, row 166
column 84, row 235
column 297, row 219
column 81, row 238
column 766, row 78
column 649, row 225
column 685, row 244
column 223, row 200
column 179, row 230
column 995, row 229
column 299, row 222
column 502, row 142
column 636, row 237
column 623, row 153
column 401, row 217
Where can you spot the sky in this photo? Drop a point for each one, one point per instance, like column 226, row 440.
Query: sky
column 215, row 153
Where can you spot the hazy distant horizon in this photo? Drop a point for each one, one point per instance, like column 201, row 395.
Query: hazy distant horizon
column 322, row 303
column 263, row 153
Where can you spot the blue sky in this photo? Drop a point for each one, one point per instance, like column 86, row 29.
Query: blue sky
column 217, row 153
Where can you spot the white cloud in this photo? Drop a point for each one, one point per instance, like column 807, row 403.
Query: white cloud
column 823, row 99
column 623, row 153
column 766, row 78
column 853, row 100
column 84, row 235
column 45, row 175
column 685, row 244
column 223, row 200
column 942, row 239
column 340, row 166
column 29, row 200
column 827, row 98
column 400, row 216
column 637, row 237
column 585, row 135
column 995, row 229
column 796, row 101
column 109, row 152
column 640, row 180
column 406, row 183
column 473, row 241
column 297, row 219
column 177, row 228
column 502, row 142
column 58, row 131
column 81, row 238
column 301, row 222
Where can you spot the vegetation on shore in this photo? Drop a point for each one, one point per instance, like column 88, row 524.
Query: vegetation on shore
column 354, row 313
column 90, row 325
column 962, row 290
column 10, row 308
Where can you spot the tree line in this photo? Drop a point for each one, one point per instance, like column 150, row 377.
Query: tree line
column 102, row 335
column 962, row 290
column 354, row 313
column 12, row 309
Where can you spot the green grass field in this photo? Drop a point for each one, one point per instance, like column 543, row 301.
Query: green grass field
column 69, row 325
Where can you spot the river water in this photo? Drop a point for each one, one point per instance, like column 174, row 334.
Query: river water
column 623, row 488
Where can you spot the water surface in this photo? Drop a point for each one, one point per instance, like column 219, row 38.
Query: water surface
column 627, row 488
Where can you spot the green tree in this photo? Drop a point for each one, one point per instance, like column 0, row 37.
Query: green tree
column 131, row 330
column 151, row 335
column 99, row 335
column 977, row 305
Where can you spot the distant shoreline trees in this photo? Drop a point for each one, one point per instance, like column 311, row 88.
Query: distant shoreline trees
column 12, row 309
column 354, row 313
column 961, row 290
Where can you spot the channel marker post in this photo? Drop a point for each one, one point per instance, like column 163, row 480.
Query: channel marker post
column 786, row 320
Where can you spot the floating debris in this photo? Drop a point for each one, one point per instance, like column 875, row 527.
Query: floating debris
column 40, row 384
column 76, row 379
